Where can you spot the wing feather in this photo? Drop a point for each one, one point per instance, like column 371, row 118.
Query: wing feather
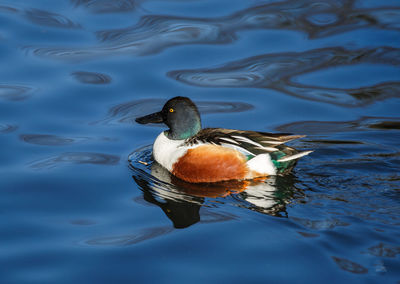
column 247, row 142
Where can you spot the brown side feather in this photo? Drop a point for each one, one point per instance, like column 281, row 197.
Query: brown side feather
column 210, row 163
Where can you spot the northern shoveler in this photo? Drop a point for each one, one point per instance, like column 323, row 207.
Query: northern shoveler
column 199, row 155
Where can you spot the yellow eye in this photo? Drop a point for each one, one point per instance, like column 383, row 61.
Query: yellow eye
column 171, row 110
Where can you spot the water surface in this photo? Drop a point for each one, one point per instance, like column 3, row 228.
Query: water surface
column 81, row 198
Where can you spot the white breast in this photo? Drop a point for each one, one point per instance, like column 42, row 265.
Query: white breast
column 166, row 151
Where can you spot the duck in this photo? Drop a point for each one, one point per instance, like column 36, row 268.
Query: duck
column 207, row 155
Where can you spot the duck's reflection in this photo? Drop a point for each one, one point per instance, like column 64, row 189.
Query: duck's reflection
column 181, row 201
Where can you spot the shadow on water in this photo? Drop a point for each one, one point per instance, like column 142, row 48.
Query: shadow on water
column 182, row 201
column 276, row 71
column 154, row 33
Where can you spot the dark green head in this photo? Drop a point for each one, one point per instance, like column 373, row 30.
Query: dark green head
column 180, row 114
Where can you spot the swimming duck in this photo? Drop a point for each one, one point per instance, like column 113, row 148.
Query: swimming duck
column 207, row 155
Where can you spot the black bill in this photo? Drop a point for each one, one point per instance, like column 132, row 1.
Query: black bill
column 151, row 118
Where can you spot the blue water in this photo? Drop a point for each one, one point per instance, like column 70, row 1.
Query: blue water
column 78, row 206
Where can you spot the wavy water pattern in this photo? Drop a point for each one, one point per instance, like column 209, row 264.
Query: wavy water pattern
column 14, row 92
column 332, row 127
column 7, row 128
column 276, row 71
column 91, row 77
column 154, row 33
column 132, row 239
column 127, row 112
column 50, row 140
column 48, row 19
column 107, row 6
column 75, row 158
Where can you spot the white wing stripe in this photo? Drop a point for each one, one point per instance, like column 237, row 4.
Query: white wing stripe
column 268, row 149
column 273, row 142
column 247, row 140
column 296, row 156
column 229, row 140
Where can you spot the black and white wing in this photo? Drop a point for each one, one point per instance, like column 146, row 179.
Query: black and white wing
column 247, row 142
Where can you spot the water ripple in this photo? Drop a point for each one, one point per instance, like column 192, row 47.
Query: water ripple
column 276, row 71
column 384, row 250
column 130, row 239
column 330, row 127
column 349, row 266
column 44, row 18
column 154, row 33
column 75, row 158
column 7, row 128
column 91, row 77
column 14, row 92
column 107, row 6
column 128, row 111
column 49, row 140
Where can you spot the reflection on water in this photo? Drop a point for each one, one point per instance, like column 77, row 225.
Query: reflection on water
column 128, row 111
column 181, row 201
column 276, row 71
column 154, row 33
column 75, row 158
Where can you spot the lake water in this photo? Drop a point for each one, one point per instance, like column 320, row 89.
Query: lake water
column 77, row 206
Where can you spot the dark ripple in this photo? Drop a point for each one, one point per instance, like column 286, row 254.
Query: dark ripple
column 8, row 9
column 331, row 127
column 386, row 125
column 76, row 158
column 107, row 6
column 127, row 112
column 154, row 33
column 14, row 92
column 320, row 224
column 44, row 18
column 276, row 71
column 384, row 250
column 131, row 239
column 7, row 128
column 349, row 266
column 48, row 140
column 91, row 77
